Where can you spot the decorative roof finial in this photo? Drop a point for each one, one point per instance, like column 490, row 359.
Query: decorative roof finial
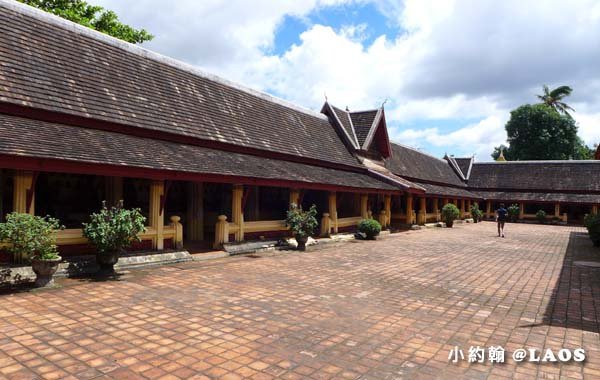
column 385, row 101
column 325, row 94
column 501, row 156
column 347, row 109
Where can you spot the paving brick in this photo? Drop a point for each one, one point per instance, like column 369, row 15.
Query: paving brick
column 392, row 308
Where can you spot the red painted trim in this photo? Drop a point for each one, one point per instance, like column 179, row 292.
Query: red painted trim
column 64, row 166
column 512, row 190
column 79, row 121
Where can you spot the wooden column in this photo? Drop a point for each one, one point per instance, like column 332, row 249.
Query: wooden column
column 23, row 191
column 364, row 206
column 333, row 211
column 387, row 206
column 468, row 210
column 294, row 196
column 488, row 209
column 221, row 232
column 113, row 187
column 325, row 225
column 156, row 215
column 557, row 210
column 462, row 208
column 409, row 209
column 194, row 223
column 445, row 202
column 521, row 210
column 422, row 219
column 237, row 216
column 436, row 209
column 594, row 209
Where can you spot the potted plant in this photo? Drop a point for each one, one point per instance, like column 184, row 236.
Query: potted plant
column 33, row 238
column 592, row 223
column 301, row 223
column 513, row 212
column 112, row 230
column 369, row 228
column 540, row 215
column 476, row 213
column 449, row 214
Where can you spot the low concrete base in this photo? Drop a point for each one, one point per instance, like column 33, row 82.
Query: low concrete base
column 82, row 265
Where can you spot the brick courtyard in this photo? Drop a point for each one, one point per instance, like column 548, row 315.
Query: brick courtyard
column 370, row 310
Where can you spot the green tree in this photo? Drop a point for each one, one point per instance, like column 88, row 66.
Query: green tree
column 554, row 99
column 501, row 148
column 93, row 17
column 538, row 132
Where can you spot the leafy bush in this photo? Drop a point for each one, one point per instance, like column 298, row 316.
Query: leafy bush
column 476, row 213
column 592, row 223
column 541, row 216
column 30, row 237
column 114, row 229
column 449, row 214
column 370, row 228
column 513, row 212
column 301, row 223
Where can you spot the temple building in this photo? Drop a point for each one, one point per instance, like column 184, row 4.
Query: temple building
column 85, row 118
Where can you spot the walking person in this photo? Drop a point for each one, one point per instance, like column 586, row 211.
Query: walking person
column 501, row 216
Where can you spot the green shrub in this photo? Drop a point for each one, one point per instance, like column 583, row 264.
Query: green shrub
column 592, row 223
column 301, row 223
column 476, row 213
column 541, row 216
column 114, row 229
column 449, row 214
column 370, row 228
column 30, row 237
column 513, row 212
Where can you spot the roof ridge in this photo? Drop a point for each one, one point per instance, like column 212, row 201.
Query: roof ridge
column 364, row 111
column 149, row 54
column 419, row 151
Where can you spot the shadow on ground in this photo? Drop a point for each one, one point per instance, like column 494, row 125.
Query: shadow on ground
column 575, row 301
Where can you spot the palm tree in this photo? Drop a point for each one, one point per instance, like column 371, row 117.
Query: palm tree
column 554, row 99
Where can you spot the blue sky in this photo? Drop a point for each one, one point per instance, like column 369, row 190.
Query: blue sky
column 451, row 70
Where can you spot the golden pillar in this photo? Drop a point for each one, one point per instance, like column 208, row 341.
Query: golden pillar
column 422, row 211
column 294, row 197
column 364, row 206
column 409, row 209
column 237, row 212
column 557, row 210
column 194, row 223
column 594, row 209
column 156, row 215
column 436, row 209
column 333, row 211
column 488, row 209
column 521, row 210
column 387, row 206
column 462, row 208
column 22, row 187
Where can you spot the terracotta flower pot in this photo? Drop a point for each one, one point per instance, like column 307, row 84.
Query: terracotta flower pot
column 107, row 260
column 44, row 271
column 301, row 242
column 450, row 223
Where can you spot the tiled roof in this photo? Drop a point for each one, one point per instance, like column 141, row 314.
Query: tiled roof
column 344, row 118
column 51, row 64
column 31, row 138
column 537, row 175
column 447, row 191
column 362, row 122
column 415, row 165
column 539, row 197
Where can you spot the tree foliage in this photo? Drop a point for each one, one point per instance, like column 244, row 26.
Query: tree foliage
column 92, row 16
column 30, row 236
column 111, row 230
column 539, row 132
column 554, row 99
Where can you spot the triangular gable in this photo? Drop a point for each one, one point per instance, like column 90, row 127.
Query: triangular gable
column 342, row 122
column 378, row 135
